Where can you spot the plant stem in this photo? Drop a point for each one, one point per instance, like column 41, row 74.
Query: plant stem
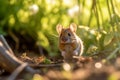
column 96, row 14
column 113, row 53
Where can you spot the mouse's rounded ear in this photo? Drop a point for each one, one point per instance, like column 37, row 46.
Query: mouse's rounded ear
column 73, row 27
column 59, row 28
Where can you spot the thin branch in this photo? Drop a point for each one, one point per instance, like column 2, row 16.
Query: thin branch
column 111, row 1
column 6, row 44
column 91, row 14
column 96, row 14
column 10, row 62
column 46, row 65
column 99, row 7
column 17, row 71
column 113, row 53
column 108, row 6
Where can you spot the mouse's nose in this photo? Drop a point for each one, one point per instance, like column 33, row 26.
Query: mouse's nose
column 64, row 39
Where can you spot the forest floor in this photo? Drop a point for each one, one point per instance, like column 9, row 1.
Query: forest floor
column 85, row 68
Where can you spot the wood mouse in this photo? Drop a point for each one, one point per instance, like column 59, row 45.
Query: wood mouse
column 69, row 43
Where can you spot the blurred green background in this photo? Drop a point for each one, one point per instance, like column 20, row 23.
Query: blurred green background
column 33, row 22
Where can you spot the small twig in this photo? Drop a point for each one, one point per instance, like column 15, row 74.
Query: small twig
column 10, row 62
column 15, row 38
column 95, row 9
column 114, row 52
column 6, row 44
column 17, row 72
column 45, row 65
column 76, row 57
column 109, row 11
column 112, row 5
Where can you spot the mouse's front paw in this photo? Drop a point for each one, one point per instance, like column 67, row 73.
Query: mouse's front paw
column 75, row 53
column 63, row 53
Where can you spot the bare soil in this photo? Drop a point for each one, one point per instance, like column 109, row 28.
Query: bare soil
column 85, row 68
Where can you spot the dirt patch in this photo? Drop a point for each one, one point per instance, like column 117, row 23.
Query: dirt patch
column 85, row 68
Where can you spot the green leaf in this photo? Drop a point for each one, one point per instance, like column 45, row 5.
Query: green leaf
column 108, row 39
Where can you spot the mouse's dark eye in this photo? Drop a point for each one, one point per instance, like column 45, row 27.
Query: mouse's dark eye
column 69, row 34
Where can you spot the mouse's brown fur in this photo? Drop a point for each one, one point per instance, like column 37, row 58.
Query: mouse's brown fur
column 69, row 43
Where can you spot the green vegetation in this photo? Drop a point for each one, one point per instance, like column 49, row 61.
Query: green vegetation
column 98, row 20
